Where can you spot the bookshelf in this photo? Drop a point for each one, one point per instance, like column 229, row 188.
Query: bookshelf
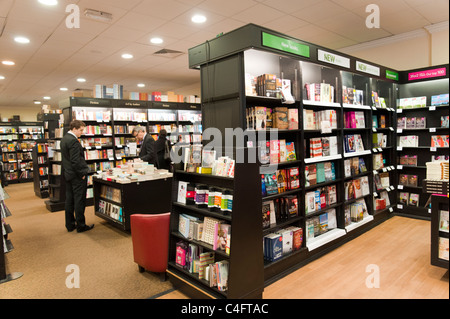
column 239, row 71
column 115, row 202
column 56, row 182
column 416, row 101
column 40, row 165
column 439, row 230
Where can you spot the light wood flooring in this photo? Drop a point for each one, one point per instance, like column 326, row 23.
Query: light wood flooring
column 399, row 249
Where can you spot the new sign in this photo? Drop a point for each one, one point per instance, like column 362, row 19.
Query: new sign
column 283, row 44
column 333, row 58
column 367, row 68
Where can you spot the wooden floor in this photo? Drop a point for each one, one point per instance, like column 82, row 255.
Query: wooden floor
column 397, row 252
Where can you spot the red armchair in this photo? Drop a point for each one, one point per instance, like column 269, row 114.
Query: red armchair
column 150, row 237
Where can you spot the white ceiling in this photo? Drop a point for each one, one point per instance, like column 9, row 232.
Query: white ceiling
column 57, row 56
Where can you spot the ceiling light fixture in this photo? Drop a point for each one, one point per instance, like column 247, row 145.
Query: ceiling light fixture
column 156, row 40
column 49, row 2
column 63, row 89
column 5, row 62
column 81, row 80
column 127, row 56
column 2, row 77
column 47, row 98
column 198, row 18
column 98, row 15
column 37, row 102
column 22, row 40
column 141, row 85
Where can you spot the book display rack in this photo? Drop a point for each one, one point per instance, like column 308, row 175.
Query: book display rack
column 329, row 116
column 422, row 134
column 439, row 230
column 17, row 140
column 7, row 245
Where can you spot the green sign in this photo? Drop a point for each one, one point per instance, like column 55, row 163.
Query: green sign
column 391, row 75
column 282, row 44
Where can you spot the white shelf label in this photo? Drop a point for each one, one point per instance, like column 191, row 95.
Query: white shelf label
column 399, row 148
column 432, row 108
column 374, row 150
column 399, row 130
column 399, row 186
column 375, row 172
column 391, row 128
column 374, row 129
column 399, row 166
column 375, row 194
column 432, row 129
column 391, row 209
column 399, row 110
column 380, row 149
column 399, row 206
column 432, row 149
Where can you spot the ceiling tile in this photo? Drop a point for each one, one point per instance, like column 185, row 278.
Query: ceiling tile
column 259, row 14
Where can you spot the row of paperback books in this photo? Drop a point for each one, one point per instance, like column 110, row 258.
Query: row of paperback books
column 354, row 119
column 352, row 96
column 323, row 146
column 319, row 173
column 353, row 143
column 263, row 118
column 98, row 154
column 214, row 198
column 85, row 114
column 355, row 212
column 408, row 141
column 194, row 259
column 96, row 141
column 276, row 151
column 279, row 209
column 407, row 180
column 356, row 188
column 132, row 116
column 382, row 180
column 111, row 210
column 100, row 166
column 320, row 199
column 282, row 242
column 439, row 141
column 378, row 101
column 407, row 160
column 318, row 225
column 198, row 160
column 411, row 122
column 406, row 198
column 111, row 193
column 43, row 171
column 379, row 121
column 98, row 129
column 354, row 166
column 280, row 181
column 320, row 92
column 209, row 230
column 412, row 102
column 315, row 120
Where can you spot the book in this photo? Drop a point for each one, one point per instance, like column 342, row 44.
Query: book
column 403, row 198
column 293, row 119
column 414, row 199
column 443, row 220
column 182, row 190
column 290, row 151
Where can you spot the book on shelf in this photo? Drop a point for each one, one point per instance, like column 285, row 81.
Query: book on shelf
column 439, row 141
column 443, row 220
column 403, row 198
column 318, row 225
column 443, row 249
column 440, row 99
column 414, row 199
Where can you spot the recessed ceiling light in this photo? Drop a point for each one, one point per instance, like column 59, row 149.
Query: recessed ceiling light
column 2, row 77
column 5, row 62
column 46, row 97
column 156, row 40
column 63, row 89
column 21, row 40
column 198, row 18
column 49, row 2
column 141, row 85
column 37, row 102
column 81, row 80
column 127, row 56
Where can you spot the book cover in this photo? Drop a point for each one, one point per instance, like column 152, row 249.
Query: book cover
column 260, row 118
column 274, row 151
column 403, row 198
column 280, row 118
column 290, row 151
column 414, row 199
column 293, row 178
column 293, row 119
column 281, row 180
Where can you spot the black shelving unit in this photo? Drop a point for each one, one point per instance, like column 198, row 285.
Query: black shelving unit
column 428, row 84
column 439, row 234
column 40, row 169
column 144, row 197
column 229, row 66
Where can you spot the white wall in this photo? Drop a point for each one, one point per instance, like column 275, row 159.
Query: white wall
column 421, row 48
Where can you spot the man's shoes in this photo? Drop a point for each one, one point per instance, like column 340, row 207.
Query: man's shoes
column 71, row 229
column 85, row 228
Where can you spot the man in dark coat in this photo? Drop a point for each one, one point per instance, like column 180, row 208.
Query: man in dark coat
column 161, row 145
column 148, row 150
column 75, row 172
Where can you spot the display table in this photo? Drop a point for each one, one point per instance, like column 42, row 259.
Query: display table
column 115, row 202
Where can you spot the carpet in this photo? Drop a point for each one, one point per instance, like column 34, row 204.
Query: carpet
column 49, row 256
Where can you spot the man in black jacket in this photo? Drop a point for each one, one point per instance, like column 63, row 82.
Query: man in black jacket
column 148, row 150
column 75, row 172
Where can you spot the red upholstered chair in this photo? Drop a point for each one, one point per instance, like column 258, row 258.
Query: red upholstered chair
column 150, row 237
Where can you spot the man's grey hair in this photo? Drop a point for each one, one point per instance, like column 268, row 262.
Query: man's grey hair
column 138, row 129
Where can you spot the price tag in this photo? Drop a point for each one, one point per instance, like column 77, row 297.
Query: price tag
column 391, row 209
column 399, row 110
column 119, row 146
column 119, row 157
column 432, row 149
column 432, row 129
column 380, row 149
column 392, row 187
column 98, row 147
column 399, row 206
column 88, row 147
column 391, row 128
column 389, row 168
column 375, row 194
column 392, row 167
column 375, row 172
column 99, row 121
column 111, row 158
column 432, row 108
column 384, row 169
column 399, row 148
column 399, row 130
column 429, row 210
column 374, row 129
column 374, row 150
column 388, row 189
column 399, row 186
column 374, row 108
column 399, row 166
